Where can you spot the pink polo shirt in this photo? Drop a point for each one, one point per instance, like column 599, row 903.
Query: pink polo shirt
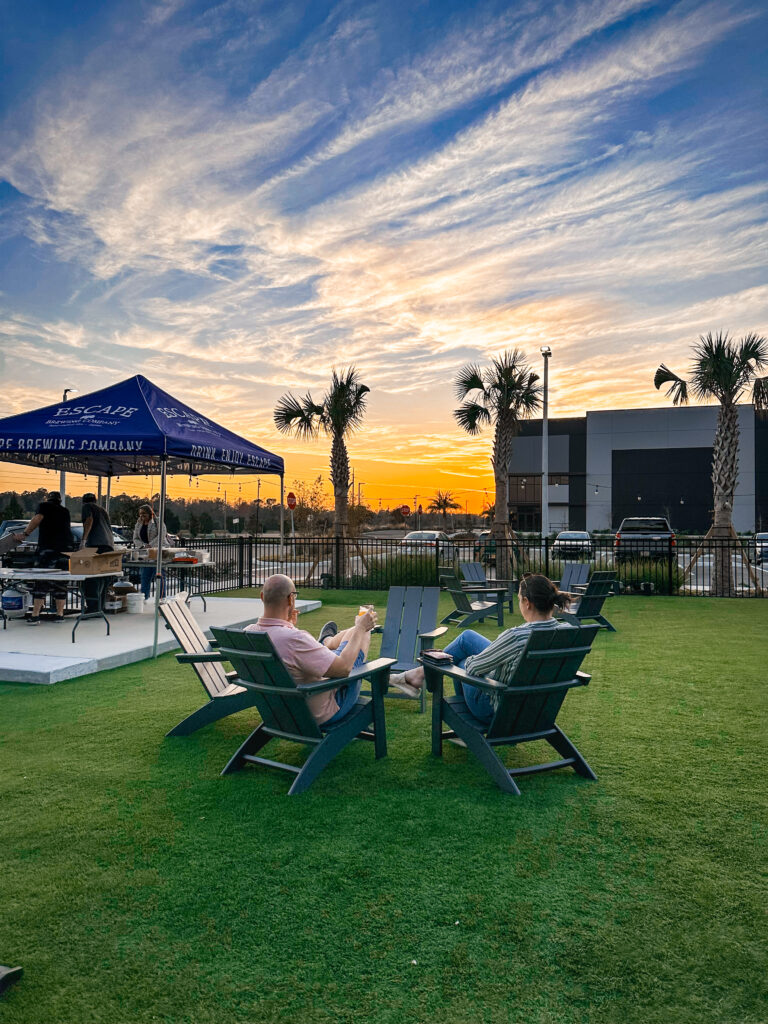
column 305, row 658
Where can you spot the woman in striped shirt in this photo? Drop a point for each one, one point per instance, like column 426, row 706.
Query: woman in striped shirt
column 499, row 658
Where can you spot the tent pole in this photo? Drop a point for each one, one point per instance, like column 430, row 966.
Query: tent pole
column 282, row 516
column 98, row 497
column 109, row 493
column 159, row 560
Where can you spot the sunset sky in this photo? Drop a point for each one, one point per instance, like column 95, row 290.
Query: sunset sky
column 231, row 198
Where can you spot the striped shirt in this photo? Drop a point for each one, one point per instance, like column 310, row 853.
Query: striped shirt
column 500, row 659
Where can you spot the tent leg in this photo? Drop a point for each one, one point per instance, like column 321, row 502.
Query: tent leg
column 159, row 561
column 282, row 517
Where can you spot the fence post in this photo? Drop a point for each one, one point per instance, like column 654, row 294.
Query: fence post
column 437, row 562
column 240, row 562
column 338, row 541
column 546, row 555
column 251, row 555
column 670, row 554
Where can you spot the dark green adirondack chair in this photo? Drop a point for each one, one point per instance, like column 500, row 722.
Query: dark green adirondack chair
column 467, row 610
column 225, row 696
column 474, row 576
column 527, row 707
column 284, row 711
column 410, row 626
column 593, row 597
column 575, row 574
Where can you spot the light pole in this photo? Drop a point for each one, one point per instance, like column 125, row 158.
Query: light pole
column 62, row 474
column 546, row 351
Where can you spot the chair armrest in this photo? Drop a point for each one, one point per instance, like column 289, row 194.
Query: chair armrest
column 199, row 659
column 433, row 634
column 455, row 672
column 231, row 675
column 370, row 668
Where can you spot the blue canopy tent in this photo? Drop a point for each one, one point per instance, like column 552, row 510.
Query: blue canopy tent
column 132, row 428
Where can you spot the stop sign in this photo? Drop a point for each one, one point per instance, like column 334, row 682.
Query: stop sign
column 406, row 510
column 291, row 500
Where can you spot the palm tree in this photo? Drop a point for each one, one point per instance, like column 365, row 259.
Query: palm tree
column 501, row 395
column 724, row 370
column 339, row 413
column 443, row 502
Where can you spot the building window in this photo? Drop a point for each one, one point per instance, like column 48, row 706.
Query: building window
column 524, row 490
column 558, row 479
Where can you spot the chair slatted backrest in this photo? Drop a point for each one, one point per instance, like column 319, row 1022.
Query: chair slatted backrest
column 551, row 656
column 280, row 702
column 452, row 584
column 599, row 587
column 410, row 611
column 193, row 640
column 473, row 572
column 574, row 575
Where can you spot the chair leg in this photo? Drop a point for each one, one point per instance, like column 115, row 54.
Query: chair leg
column 566, row 748
column 379, row 722
column 259, row 738
column 437, row 719
column 486, row 755
column 215, row 709
column 332, row 745
column 604, row 622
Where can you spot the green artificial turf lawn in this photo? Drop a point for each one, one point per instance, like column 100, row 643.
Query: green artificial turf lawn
column 138, row 885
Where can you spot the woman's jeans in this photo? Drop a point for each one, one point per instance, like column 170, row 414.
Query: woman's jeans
column 464, row 646
column 147, row 575
column 346, row 695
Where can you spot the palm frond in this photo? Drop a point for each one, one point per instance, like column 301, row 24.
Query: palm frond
column 468, row 379
column 293, row 415
column 472, row 417
column 754, row 348
column 678, row 389
column 344, row 403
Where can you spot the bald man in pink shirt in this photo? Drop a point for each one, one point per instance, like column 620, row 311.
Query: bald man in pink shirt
column 308, row 660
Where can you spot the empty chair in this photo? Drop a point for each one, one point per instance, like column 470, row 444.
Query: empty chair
column 410, row 626
column 467, row 610
column 474, row 576
column 589, row 608
column 225, row 697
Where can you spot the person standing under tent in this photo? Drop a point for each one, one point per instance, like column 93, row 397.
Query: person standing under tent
column 97, row 533
column 54, row 536
column 149, row 533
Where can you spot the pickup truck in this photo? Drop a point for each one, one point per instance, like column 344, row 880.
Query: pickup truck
column 643, row 537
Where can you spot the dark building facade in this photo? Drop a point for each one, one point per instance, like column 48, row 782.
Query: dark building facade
column 636, row 462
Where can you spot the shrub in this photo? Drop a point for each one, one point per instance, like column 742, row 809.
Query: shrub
column 401, row 571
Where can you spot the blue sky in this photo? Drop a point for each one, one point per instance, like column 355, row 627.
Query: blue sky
column 231, row 198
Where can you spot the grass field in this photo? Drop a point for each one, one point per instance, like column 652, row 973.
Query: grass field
column 139, row 886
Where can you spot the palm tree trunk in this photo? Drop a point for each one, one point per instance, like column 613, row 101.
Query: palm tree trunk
column 725, row 466
column 340, row 481
column 500, row 528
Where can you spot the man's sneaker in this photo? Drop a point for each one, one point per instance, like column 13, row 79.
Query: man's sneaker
column 399, row 683
column 329, row 629
column 58, row 618
column 33, row 620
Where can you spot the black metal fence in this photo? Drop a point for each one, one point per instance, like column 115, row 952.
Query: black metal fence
column 688, row 566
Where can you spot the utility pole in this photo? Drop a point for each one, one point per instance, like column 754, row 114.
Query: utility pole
column 63, row 474
column 359, row 485
column 546, row 351
column 258, row 502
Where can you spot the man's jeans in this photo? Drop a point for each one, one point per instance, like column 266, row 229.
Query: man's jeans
column 464, row 646
column 347, row 694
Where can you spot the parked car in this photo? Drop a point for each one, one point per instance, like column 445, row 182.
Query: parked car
column 12, row 526
column 572, row 544
column 643, row 537
column 761, row 548
column 424, row 542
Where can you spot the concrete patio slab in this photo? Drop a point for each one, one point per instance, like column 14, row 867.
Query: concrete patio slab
column 45, row 654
